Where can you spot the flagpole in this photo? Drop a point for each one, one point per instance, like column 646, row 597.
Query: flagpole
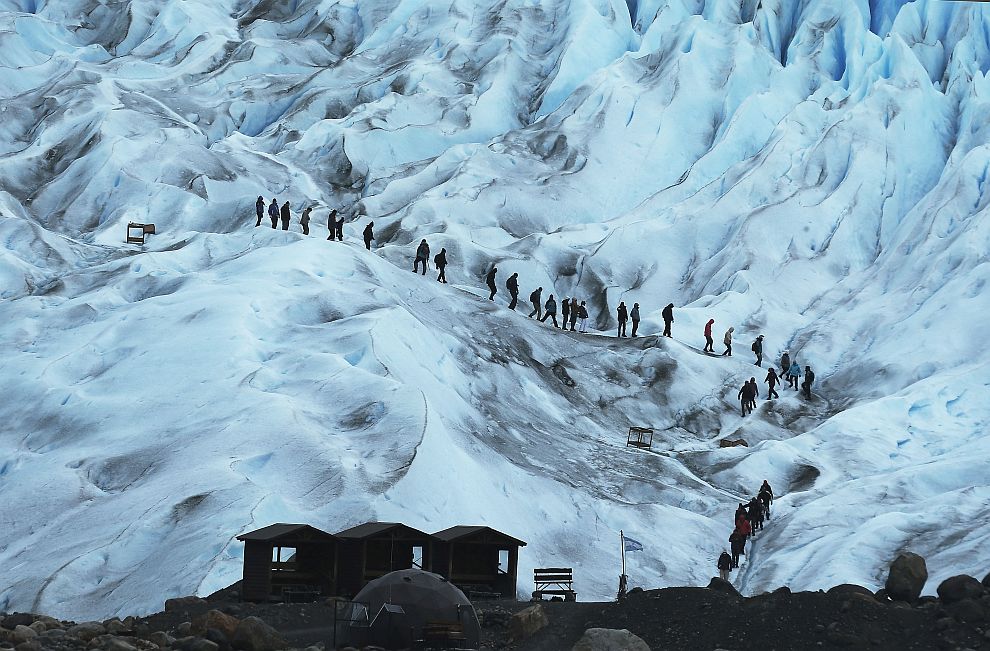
column 622, row 550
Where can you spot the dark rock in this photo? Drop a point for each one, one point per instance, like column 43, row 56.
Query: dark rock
column 881, row 595
column 718, row 585
column 968, row 610
column 942, row 623
column 180, row 604
column 161, row 638
column 219, row 637
column 86, row 631
column 527, row 622
column 116, row 644
column 850, row 588
column 607, row 639
column 636, row 590
column 193, row 643
column 252, row 634
column 733, row 443
column 217, row 620
column 986, row 581
column 17, row 619
column 782, row 590
column 957, row 588
column 907, row 577
column 31, row 645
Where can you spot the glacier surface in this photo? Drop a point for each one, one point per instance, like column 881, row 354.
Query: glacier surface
column 814, row 170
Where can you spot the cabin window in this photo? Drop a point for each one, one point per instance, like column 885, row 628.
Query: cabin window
column 417, row 557
column 503, row 561
column 283, row 558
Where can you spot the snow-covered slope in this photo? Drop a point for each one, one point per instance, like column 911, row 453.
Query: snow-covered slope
column 813, row 170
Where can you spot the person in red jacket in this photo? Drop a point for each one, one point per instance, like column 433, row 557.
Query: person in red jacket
column 709, row 344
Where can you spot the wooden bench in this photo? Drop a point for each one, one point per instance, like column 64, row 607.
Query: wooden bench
column 554, row 581
column 141, row 231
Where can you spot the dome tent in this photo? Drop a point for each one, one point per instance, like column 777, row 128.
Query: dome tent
column 393, row 610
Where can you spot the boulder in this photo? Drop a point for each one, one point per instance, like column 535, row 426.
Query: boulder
column 907, row 577
column 968, row 610
column 193, row 643
column 527, row 622
column 252, row 634
column 957, row 588
column 718, row 585
column 161, row 639
column 218, row 637
column 610, row 639
column 782, row 590
column 23, row 633
column 11, row 622
column 30, row 645
column 733, row 443
column 180, row 604
column 116, row 644
column 214, row 619
column 87, row 630
column 849, row 589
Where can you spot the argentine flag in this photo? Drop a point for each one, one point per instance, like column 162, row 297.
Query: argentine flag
column 632, row 545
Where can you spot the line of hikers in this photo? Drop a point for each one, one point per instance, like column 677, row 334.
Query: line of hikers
column 789, row 369
column 748, row 519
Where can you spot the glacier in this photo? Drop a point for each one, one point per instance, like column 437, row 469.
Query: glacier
column 812, row 170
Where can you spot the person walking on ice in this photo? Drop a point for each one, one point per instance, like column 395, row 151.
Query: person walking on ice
column 635, row 318
column 758, row 349
column 766, row 497
column 490, row 281
column 709, row 342
column 422, row 255
column 623, row 316
column 550, row 311
column 304, row 220
column 512, row 284
column 369, row 234
column 338, row 229
column 793, row 374
column 565, row 312
column 536, row 298
column 727, row 340
column 583, row 315
column 746, row 397
column 440, row 261
column 575, row 308
column 286, row 216
column 772, row 381
column 724, row 565
column 809, row 379
column 273, row 212
column 668, row 319
column 259, row 206
column 785, row 363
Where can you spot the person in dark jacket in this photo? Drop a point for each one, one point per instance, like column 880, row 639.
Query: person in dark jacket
column 273, row 213
column 709, row 342
column 635, row 318
column 512, row 284
column 737, row 544
column 259, row 206
column 565, row 312
column 338, row 228
column 623, row 315
column 724, row 565
column 740, row 514
column 536, row 298
column 440, row 261
column 772, row 379
column 758, row 349
column 550, row 311
column 369, row 234
column 755, row 512
column 746, row 396
column 490, row 281
column 668, row 319
column 727, row 340
column 766, row 497
column 583, row 315
column 286, row 216
column 332, row 223
column 575, row 308
column 422, row 255
column 809, row 379
column 785, row 363
column 756, row 392
column 304, row 220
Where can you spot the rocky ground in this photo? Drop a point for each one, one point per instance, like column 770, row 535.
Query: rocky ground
column 711, row 618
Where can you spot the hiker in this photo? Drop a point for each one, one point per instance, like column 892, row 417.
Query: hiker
column 338, row 229
column 755, row 511
column 304, row 220
column 440, row 262
column 809, row 378
column 583, row 315
column 273, row 212
column 727, row 340
column 286, row 216
column 422, row 255
column 709, row 342
column 740, row 513
column 737, row 543
column 550, row 311
column 536, row 298
column 758, row 349
column 623, row 317
column 772, row 379
column 785, row 363
column 634, row 315
column 766, row 498
column 369, row 234
column 724, row 565
column 575, row 308
column 490, row 281
column 746, row 395
column 259, row 206
column 512, row 284
column 745, row 528
column 756, row 392
column 668, row 318
column 793, row 374
column 332, row 224
column 565, row 312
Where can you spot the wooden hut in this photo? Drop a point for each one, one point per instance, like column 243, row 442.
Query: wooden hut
column 479, row 560
column 374, row 549
column 291, row 562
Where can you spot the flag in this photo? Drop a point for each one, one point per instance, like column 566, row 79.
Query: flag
column 631, row 545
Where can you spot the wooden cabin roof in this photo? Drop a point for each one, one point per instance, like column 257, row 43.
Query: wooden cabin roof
column 376, row 529
column 461, row 533
column 282, row 532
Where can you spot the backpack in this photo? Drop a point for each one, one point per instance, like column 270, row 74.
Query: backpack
column 753, row 347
